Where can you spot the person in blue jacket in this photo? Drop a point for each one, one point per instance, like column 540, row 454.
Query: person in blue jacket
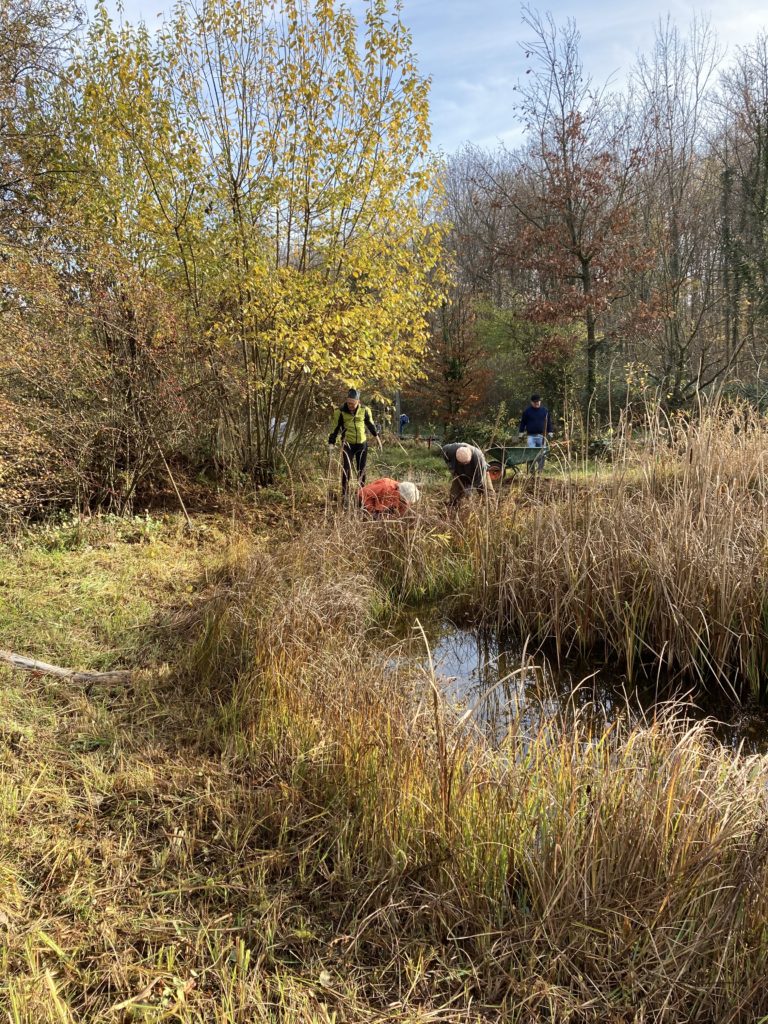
column 537, row 424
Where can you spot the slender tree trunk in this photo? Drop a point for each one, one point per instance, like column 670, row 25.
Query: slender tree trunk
column 592, row 344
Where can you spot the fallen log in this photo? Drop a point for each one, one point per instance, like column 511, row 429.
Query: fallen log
column 43, row 668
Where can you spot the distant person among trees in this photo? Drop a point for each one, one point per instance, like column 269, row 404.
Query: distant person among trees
column 468, row 466
column 352, row 421
column 537, row 424
column 404, row 421
column 386, row 498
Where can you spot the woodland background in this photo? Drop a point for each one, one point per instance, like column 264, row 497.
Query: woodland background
column 208, row 231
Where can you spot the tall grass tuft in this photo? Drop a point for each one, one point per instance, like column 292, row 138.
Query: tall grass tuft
column 660, row 565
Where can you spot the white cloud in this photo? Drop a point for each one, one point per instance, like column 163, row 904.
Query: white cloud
column 472, row 50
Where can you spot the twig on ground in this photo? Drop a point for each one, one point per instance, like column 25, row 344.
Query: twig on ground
column 43, row 668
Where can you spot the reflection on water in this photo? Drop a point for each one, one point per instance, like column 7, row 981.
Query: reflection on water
column 505, row 688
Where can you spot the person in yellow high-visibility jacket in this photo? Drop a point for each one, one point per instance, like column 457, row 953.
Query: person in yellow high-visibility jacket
column 354, row 422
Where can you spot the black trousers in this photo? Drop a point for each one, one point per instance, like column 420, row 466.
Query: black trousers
column 357, row 454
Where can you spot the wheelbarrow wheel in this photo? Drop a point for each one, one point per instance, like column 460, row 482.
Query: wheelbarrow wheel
column 496, row 472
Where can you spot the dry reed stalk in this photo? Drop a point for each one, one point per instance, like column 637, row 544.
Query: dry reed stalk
column 661, row 565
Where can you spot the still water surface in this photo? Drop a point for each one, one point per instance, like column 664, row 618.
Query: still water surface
column 490, row 674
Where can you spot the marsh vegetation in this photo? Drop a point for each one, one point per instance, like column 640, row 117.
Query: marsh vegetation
column 285, row 818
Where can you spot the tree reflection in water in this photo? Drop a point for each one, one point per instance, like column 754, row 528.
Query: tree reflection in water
column 508, row 687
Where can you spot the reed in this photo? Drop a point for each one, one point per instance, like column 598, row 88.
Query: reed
column 660, row 566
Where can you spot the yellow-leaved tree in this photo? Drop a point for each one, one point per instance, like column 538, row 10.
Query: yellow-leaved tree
column 266, row 165
column 107, row 350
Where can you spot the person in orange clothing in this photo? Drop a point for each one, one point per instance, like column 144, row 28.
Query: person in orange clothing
column 387, row 497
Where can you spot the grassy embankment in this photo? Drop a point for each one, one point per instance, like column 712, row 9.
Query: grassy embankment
column 281, row 825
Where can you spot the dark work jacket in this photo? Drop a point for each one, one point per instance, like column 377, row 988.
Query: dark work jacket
column 352, row 425
column 473, row 473
column 536, row 421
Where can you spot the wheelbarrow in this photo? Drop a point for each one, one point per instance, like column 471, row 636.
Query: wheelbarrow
column 512, row 458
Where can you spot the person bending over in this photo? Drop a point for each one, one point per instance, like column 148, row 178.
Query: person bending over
column 468, row 469
column 386, row 498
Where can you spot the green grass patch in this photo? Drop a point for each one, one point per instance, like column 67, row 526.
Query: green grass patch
column 410, row 460
column 85, row 593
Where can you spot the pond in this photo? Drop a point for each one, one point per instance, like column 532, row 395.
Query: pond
column 506, row 686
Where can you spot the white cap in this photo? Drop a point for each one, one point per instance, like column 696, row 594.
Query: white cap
column 408, row 492
column 464, row 454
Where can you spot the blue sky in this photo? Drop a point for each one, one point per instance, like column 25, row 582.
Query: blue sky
column 471, row 49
